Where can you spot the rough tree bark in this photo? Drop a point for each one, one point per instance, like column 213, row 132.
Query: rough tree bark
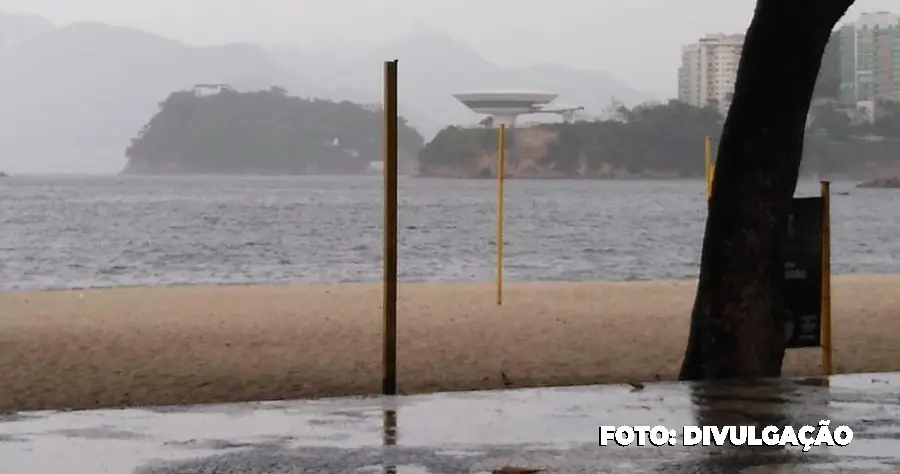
column 737, row 323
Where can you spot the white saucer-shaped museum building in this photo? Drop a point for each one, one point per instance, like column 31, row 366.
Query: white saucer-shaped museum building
column 506, row 106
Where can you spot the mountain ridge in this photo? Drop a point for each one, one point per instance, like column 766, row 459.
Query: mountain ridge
column 426, row 79
column 75, row 94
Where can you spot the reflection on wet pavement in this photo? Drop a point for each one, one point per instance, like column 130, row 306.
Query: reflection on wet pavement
column 555, row 429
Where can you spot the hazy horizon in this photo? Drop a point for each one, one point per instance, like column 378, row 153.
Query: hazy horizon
column 587, row 35
column 83, row 125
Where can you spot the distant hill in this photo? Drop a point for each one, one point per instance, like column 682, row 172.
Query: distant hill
column 433, row 66
column 15, row 29
column 73, row 96
column 657, row 141
column 262, row 133
column 663, row 141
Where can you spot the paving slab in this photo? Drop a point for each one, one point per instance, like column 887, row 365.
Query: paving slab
column 553, row 429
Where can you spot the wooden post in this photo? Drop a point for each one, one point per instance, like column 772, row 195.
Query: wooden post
column 827, row 368
column 389, row 303
column 501, row 161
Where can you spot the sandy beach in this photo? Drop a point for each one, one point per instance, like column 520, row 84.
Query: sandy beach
column 139, row 346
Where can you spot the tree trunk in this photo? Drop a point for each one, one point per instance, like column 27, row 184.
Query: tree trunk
column 737, row 323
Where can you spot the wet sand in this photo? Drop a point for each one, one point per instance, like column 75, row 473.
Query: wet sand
column 138, row 346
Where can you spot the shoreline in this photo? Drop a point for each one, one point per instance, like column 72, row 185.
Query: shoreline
column 208, row 344
column 699, row 177
column 506, row 281
column 340, row 284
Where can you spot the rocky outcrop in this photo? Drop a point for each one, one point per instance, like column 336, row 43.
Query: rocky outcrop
column 526, row 158
column 3, row 175
column 883, row 183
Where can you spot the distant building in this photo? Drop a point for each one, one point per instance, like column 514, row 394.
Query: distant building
column 864, row 113
column 203, row 90
column 504, row 107
column 373, row 107
column 870, row 58
column 709, row 69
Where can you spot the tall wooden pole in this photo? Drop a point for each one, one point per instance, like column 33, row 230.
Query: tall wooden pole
column 501, row 161
column 389, row 303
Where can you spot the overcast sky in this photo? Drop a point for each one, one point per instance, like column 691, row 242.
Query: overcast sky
column 637, row 41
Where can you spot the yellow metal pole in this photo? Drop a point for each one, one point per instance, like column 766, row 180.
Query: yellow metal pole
column 501, row 161
column 827, row 368
column 389, row 303
column 707, row 142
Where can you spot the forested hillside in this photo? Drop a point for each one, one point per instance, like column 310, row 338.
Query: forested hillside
column 264, row 132
column 664, row 141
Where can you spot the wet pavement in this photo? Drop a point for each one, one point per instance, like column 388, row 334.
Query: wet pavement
column 553, row 429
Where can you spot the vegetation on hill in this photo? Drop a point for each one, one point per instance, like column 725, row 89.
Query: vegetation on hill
column 264, row 132
column 662, row 140
column 666, row 138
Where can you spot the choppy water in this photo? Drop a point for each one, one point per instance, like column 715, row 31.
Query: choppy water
column 68, row 232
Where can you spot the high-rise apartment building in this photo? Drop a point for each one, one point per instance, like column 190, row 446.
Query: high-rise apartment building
column 708, row 70
column 870, row 58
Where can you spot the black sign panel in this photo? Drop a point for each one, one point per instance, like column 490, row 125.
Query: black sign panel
column 803, row 273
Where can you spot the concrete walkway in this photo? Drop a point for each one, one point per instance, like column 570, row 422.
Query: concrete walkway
column 555, row 429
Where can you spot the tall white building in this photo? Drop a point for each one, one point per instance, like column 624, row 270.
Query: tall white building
column 709, row 69
column 870, row 58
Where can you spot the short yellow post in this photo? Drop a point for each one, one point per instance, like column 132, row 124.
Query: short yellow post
column 708, row 166
column 501, row 160
column 389, row 302
column 827, row 368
